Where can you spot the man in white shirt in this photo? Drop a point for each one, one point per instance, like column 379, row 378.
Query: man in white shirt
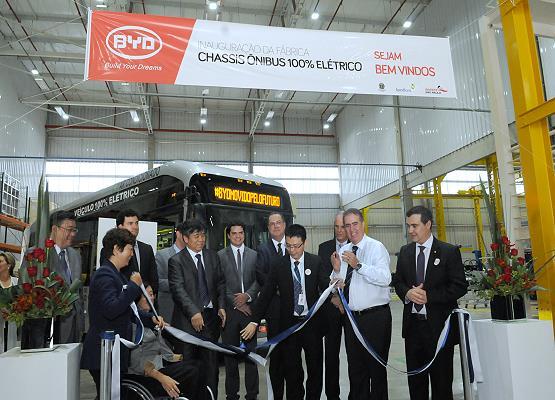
column 363, row 266
column 239, row 269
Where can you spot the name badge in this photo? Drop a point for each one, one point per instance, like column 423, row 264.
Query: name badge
column 436, row 261
column 301, row 299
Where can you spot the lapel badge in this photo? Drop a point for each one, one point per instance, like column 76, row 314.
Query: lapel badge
column 307, row 272
column 436, row 261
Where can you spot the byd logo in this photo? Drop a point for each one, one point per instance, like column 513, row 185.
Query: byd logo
column 134, row 42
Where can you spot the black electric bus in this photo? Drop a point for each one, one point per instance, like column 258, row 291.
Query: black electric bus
column 177, row 190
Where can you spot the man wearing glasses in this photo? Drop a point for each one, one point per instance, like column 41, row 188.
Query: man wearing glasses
column 66, row 261
column 300, row 278
column 268, row 254
column 363, row 267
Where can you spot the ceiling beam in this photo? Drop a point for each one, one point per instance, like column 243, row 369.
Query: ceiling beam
column 46, row 55
column 129, row 106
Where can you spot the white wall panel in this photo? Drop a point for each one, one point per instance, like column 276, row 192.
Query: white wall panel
column 100, row 148
column 298, row 153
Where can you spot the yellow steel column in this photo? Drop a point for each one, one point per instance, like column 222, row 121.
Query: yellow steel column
column 479, row 225
column 440, row 213
column 531, row 111
column 493, row 186
column 365, row 216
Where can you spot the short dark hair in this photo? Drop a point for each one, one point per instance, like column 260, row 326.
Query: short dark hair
column 354, row 211
column 424, row 212
column 120, row 218
column 191, row 226
column 230, row 225
column 276, row 213
column 117, row 237
column 59, row 217
column 296, row 230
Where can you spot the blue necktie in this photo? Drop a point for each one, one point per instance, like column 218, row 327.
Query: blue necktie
column 202, row 284
column 297, row 289
column 420, row 272
column 65, row 267
column 349, row 276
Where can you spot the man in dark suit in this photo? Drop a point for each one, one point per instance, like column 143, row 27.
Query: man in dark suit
column 268, row 254
column 334, row 310
column 198, row 289
column 165, row 302
column 239, row 268
column 429, row 279
column 300, row 278
column 143, row 255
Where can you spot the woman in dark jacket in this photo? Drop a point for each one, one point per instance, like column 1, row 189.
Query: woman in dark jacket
column 110, row 297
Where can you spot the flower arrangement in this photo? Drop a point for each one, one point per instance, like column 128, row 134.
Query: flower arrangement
column 41, row 294
column 506, row 274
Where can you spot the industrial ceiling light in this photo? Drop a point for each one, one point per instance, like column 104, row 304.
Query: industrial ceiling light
column 34, row 71
column 203, row 121
column 101, row 6
column 326, row 126
column 61, row 112
column 212, row 5
column 205, row 92
column 134, row 115
column 315, row 15
column 407, row 24
column 203, row 115
column 332, row 117
column 270, row 115
column 266, row 123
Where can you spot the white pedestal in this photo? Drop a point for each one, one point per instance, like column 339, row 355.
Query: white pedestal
column 518, row 359
column 47, row 375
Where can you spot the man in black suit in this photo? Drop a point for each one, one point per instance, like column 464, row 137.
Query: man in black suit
column 429, row 279
column 300, row 278
column 198, row 289
column 238, row 265
column 334, row 310
column 269, row 253
column 143, row 260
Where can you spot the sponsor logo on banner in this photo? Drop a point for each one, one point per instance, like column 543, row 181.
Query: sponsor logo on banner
column 409, row 89
column 381, row 86
column 436, row 90
column 134, row 42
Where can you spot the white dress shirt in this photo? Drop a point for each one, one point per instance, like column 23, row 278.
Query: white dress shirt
column 275, row 242
column 427, row 250
column 300, row 267
column 194, row 255
column 137, row 255
column 369, row 285
column 339, row 245
column 242, row 252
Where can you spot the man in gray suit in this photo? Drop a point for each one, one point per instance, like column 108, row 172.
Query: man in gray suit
column 198, row 290
column 165, row 302
column 66, row 261
column 241, row 289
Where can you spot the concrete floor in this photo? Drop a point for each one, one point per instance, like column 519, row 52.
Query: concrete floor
column 398, row 389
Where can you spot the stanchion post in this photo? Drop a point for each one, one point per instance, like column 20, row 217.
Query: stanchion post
column 467, row 385
column 106, row 345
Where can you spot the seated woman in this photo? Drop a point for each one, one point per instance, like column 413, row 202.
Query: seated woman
column 8, row 330
column 154, row 359
column 110, row 298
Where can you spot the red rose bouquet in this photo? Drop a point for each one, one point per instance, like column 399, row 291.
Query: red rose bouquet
column 41, row 293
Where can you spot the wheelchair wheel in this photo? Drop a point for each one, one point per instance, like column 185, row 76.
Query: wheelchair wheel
column 132, row 390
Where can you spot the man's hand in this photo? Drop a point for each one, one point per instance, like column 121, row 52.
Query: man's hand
column 197, row 321
column 417, row 295
column 169, row 385
column 350, row 258
column 339, row 283
column 336, row 301
column 249, row 331
column 221, row 314
column 245, row 309
column 240, row 299
column 335, row 262
column 136, row 278
column 159, row 322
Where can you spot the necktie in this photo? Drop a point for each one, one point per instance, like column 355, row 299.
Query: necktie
column 202, row 284
column 279, row 250
column 420, row 260
column 65, row 267
column 349, row 276
column 297, row 289
column 240, row 269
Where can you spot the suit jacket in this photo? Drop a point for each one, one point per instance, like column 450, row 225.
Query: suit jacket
column 165, row 301
column 110, row 296
column 444, row 283
column 325, row 250
column 148, row 270
column 266, row 257
column 228, row 261
column 281, row 279
column 183, row 278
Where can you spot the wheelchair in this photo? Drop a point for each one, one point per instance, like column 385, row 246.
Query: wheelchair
column 135, row 387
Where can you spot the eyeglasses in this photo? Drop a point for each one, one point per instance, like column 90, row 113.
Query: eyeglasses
column 291, row 246
column 70, row 230
column 276, row 223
